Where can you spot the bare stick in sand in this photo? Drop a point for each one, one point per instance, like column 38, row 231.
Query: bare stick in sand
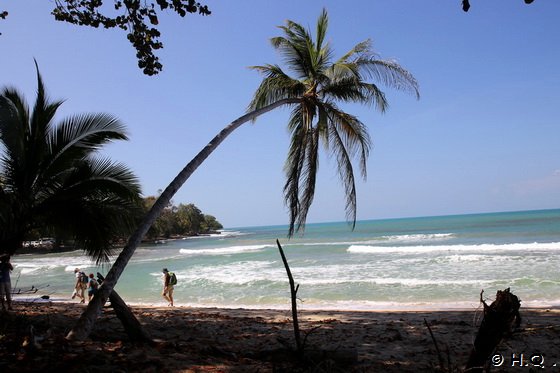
column 293, row 292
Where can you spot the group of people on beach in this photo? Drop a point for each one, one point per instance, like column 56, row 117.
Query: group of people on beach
column 83, row 283
column 89, row 283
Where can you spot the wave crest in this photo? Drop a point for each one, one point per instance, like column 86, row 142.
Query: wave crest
column 368, row 249
column 224, row 250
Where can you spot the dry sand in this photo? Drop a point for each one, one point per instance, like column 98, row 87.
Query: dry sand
column 239, row 340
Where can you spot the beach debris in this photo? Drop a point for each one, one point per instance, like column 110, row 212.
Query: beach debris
column 499, row 320
column 31, row 340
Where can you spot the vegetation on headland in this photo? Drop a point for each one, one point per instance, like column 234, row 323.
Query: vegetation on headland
column 182, row 220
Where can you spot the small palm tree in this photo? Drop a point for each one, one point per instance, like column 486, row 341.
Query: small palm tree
column 51, row 178
column 320, row 84
column 313, row 95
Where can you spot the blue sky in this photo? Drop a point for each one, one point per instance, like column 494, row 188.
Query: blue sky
column 484, row 136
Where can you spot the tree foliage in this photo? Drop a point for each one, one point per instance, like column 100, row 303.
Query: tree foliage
column 139, row 19
column 321, row 83
column 52, row 179
column 182, row 220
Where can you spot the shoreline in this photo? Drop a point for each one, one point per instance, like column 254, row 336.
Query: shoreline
column 248, row 340
column 383, row 308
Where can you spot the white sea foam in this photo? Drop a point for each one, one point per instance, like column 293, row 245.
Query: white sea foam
column 82, row 267
column 366, row 249
column 225, row 233
column 418, row 237
column 382, row 239
column 394, row 281
column 238, row 273
column 224, row 250
column 221, row 234
column 380, row 305
column 31, row 265
column 477, row 258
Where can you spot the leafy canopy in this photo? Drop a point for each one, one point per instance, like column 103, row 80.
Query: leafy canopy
column 52, row 179
column 139, row 19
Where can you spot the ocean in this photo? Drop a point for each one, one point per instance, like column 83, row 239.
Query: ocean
column 441, row 262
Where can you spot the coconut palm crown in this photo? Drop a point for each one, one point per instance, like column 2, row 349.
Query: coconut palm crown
column 51, row 177
column 320, row 84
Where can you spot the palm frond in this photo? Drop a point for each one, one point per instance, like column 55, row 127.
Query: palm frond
column 321, row 30
column 89, row 131
column 80, row 135
column 275, row 86
column 308, row 176
column 390, row 73
column 353, row 135
column 98, row 201
column 353, row 90
column 362, row 48
column 102, row 177
column 294, row 165
column 296, row 49
column 40, row 122
column 346, row 173
column 14, row 116
column 301, row 168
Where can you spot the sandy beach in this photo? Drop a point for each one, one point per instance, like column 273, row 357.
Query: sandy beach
column 241, row 340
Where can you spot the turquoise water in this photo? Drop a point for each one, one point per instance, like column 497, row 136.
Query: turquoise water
column 431, row 262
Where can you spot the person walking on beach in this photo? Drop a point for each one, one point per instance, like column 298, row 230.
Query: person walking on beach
column 5, row 283
column 168, row 283
column 79, row 286
column 92, row 287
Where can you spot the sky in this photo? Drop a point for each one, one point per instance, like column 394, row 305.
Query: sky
column 483, row 137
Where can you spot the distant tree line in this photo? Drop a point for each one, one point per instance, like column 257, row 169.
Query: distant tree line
column 182, row 220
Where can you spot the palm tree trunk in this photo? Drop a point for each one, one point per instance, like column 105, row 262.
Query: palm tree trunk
column 136, row 333
column 85, row 324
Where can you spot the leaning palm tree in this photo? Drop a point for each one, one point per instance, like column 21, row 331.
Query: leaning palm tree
column 320, row 84
column 51, row 178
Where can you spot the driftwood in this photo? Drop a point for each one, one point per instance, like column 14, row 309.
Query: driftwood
column 131, row 325
column 498, row 321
